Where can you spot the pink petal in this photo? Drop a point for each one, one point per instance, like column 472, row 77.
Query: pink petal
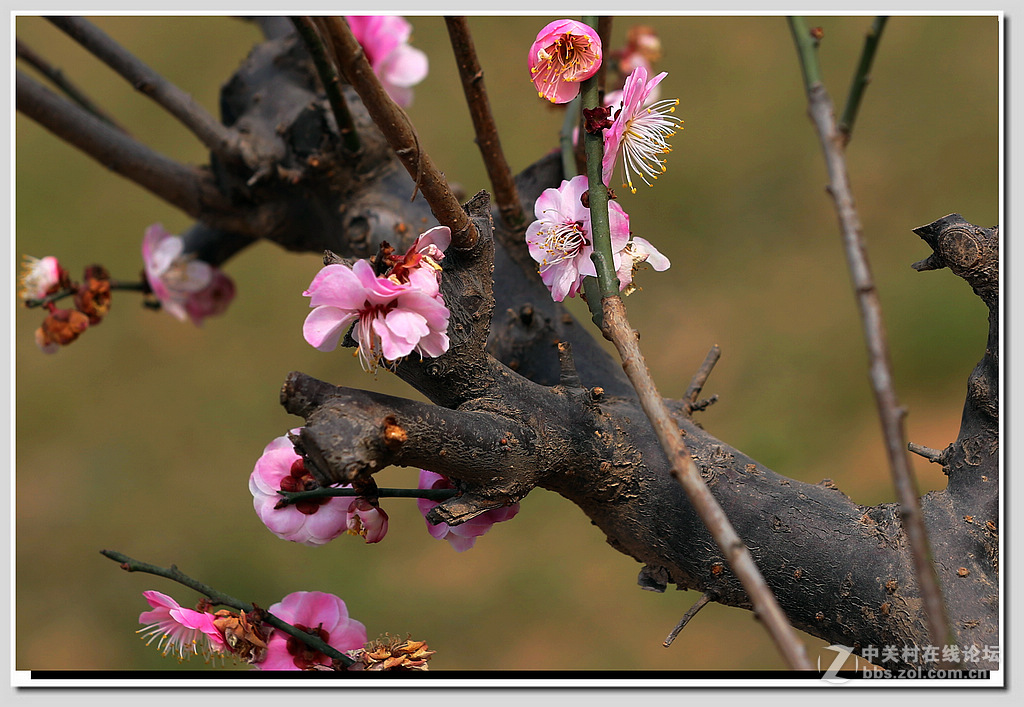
column 324, row 327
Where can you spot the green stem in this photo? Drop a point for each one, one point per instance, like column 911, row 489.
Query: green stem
column 806, row 47
column 861, row 78
column 114, row 285
column 602, row 256
column 568, row 150
column 173, row 573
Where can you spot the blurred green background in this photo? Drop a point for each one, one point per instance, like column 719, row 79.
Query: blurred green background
column 141, row 435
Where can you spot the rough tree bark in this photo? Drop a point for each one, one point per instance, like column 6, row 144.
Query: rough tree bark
column 513, row 410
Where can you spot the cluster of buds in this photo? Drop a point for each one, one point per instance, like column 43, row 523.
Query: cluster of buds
column 43, row 282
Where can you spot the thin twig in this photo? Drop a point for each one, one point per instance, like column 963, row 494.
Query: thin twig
column 290, row 497
column 330, row 80
column 890, row 412
column 861, row 78
column 34, row 59
column 399, row 132
column 617, row 329
column 173, row 573
column 220, row 139
column 506, row 195
column 683, row 468
column 188, row 188
column 704, row 600
column 701, row 376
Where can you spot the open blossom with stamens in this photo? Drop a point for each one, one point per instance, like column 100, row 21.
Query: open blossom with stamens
column 395, row 314
column 564, row 53
column 184, row 631
column 560, row 239
column 318, row 613
column 637, row 251
column 460, row 537
column 640, row 131
column 385, row 39
column 367, row 520
column 187, row 288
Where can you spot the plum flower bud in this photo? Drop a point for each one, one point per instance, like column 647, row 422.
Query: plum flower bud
column 184, row 631
column 320, row 614
column 399, row 66
column 366, row 520
column 640, row 131
column 564, row 53
column 460, row 537
column 186, row 287
column 60, row 328
column 40, row 277
column 93, row 298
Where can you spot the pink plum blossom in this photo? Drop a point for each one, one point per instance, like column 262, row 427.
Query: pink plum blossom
column 637, row 251
column 640, row 130
column 308, row 522
column 565, row 53
column 394, row 314
column 187, row 288
column 561, row 241
column 185, row 631
column 461, row 537
column 39, row 277
column 319, row 613
column 399, row 66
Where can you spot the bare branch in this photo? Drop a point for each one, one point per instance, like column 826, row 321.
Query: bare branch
column 890, row 412
column 685, row 471
column 220, row 139
column 400, row 134
column 330, row 80
column 502, row 182
column 188, row 188
column 54, row 74
column 701, row 376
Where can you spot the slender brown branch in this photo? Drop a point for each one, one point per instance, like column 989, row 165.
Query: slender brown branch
column 330, row 80
column 506, row 196
column 704, row 600
column 34, row 59
column 400, row 134
column 683, row 468
column 890, row 412
column 220, row 139
column 188, row 188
